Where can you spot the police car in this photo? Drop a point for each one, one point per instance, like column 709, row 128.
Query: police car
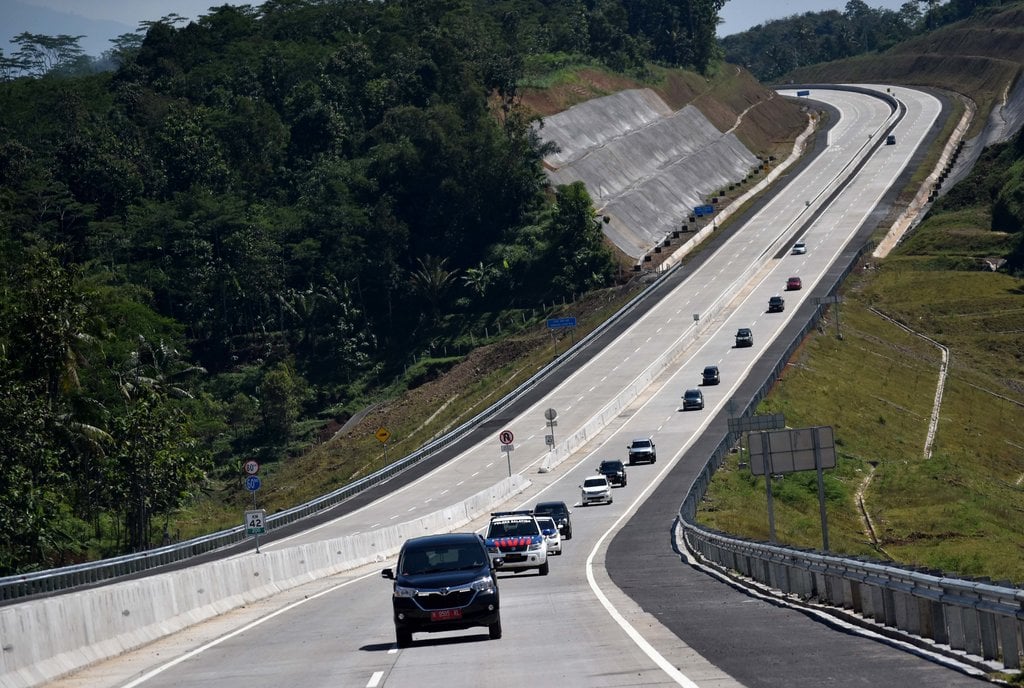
column 515, row 537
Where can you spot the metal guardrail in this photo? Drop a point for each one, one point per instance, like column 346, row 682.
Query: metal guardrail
column 90, row 573
column 972, row 618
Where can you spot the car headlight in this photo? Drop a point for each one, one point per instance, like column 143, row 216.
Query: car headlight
column 484, row 585
column 536, row 546
column 401, row 591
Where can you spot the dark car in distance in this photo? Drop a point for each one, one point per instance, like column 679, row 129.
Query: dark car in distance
column 744, row 337
column 693, row 399
column 710, row 376
column 444, row 583
column 558, row 511
column 615, row 471
column 776, row 304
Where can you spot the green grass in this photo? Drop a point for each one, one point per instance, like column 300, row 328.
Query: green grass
column 962, row 510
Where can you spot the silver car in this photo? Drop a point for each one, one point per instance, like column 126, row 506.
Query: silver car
column 552, row 536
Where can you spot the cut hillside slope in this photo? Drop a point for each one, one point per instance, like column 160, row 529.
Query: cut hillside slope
column 649, row 155
column 644, row 165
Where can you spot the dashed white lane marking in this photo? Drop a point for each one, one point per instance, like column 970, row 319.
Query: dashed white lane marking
column 375, row 679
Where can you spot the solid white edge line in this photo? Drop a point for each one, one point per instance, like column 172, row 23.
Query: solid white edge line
column 238, row 631
column 672, row 672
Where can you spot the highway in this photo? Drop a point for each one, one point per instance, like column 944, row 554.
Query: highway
column 619, row 608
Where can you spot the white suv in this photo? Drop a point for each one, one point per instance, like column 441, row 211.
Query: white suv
column 596, row 489
column 516, row 538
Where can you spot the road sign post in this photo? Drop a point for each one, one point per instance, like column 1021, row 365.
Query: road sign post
column 383, row 435
column 738, row 426
column 253, row 483
column 788, row 451
column 558, row 324
column 549, row 439
column 505, row 437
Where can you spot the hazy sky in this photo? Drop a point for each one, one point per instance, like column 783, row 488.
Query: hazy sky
column 114, row 17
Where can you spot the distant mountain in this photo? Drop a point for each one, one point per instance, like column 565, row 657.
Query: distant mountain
column 17, row 17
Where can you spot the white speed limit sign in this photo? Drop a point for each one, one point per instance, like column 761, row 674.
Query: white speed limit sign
column 255, row 522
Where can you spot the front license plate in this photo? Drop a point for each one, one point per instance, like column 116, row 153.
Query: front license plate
column 446, row 614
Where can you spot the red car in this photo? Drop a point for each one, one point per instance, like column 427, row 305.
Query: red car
column 793, row 283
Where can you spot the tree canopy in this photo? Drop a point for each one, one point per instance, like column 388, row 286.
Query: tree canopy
column 257, row 215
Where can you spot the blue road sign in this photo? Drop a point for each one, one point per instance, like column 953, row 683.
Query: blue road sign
column 803, row 93
column 252, row 483
column 702, row 210
column 555, row 323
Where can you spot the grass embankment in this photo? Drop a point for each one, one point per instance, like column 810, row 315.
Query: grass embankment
column 962, row 510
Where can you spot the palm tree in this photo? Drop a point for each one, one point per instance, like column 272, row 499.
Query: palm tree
column 432, row 281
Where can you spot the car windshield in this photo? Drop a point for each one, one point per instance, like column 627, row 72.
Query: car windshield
column 595, row 482
column 439, row 559
column 611, row 465
column 512, row 529
column 641, row 444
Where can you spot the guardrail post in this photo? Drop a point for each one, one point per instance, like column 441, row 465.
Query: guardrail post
column 1009, row 641
column 972, row 633
column 987, row 635
column 877, row 602
column 933, row 621
column 905, row 609
column 804, row 582
column 851, row 589
column 957, row 639
column 781, row 575
column 888, row 606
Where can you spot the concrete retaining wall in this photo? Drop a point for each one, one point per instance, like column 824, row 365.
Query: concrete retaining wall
column 644, row 165
column 41, row 640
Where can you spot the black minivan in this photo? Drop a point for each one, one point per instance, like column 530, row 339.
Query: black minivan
column 444, row 583
column 558, row 511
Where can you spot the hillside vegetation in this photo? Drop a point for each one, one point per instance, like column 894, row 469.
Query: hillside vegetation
column 956, row 280
column 270, row 219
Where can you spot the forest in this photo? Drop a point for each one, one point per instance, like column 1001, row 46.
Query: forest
column 773, row 49
column 253, row 220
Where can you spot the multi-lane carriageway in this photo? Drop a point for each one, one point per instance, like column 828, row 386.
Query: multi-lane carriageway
column 631, row 614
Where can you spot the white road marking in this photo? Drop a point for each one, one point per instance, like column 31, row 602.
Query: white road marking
column 375, row 679
column 228, row 636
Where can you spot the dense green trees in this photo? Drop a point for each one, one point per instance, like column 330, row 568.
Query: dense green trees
column 773, row 49
column 258, row 215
